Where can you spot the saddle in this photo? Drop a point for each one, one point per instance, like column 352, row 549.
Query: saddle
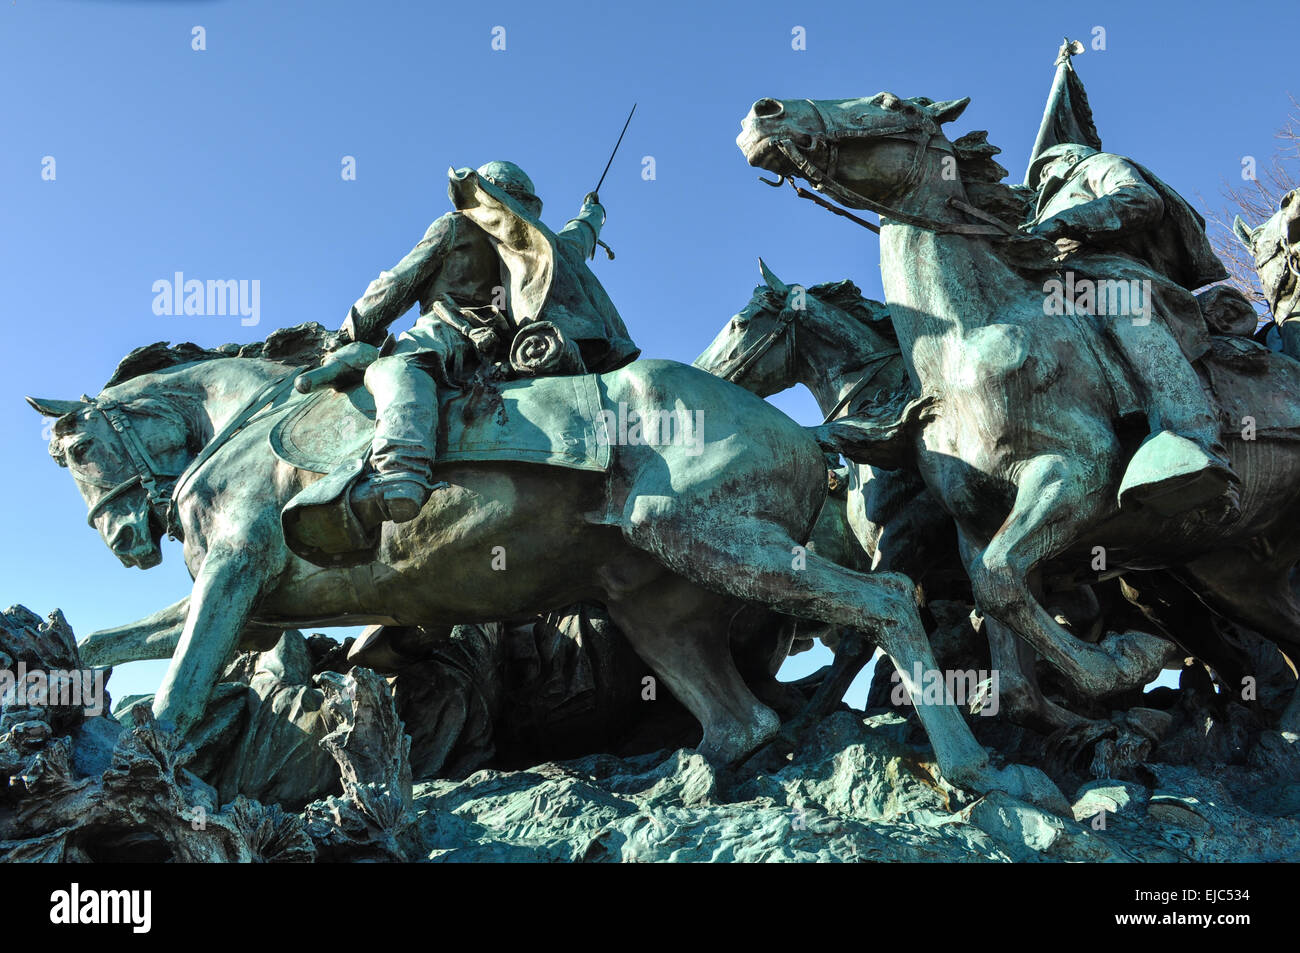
column 548, row 421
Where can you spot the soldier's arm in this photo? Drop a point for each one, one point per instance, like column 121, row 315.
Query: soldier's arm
column 390, row 295
column 584, row 228
column 1125, row 202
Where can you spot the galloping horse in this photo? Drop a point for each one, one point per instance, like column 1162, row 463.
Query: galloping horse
column 671, row 538
column 1024, row 446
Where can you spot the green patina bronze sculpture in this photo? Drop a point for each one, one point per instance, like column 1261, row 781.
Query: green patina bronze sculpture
column 667, row 533
column 492, row 282
column 1276, row 247
column 967, row 293
column 1057, row 444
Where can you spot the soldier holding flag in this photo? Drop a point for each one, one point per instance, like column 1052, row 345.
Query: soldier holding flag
column 1113, row 220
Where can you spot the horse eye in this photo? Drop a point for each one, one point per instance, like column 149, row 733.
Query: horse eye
column 77, row 452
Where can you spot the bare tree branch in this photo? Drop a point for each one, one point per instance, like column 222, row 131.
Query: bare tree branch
column 1255, row 201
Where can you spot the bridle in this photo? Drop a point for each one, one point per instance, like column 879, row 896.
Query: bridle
column 785, row 329
column 153, row 478
column 148, row 474
column 925, row 138
column 1287, row 250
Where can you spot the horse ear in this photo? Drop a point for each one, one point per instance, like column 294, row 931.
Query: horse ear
column 56, row 408
column 1243, row 231
column 772, row 281
column 949, row 110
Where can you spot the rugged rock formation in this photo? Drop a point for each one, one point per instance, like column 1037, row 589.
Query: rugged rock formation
column 85, row 787
column 89, row 788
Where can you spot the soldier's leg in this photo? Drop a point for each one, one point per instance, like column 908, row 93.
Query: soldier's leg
column 405, row 387
column 1183, row 465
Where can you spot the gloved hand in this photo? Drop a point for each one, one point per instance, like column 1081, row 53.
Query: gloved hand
column 340, row 369
column 485, row 341
column 1050, row 229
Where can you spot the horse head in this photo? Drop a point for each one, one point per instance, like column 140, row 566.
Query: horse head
column 123, row 455
column 1275, row 246
column 865, row 153
column 756, row 348
column 788, row 334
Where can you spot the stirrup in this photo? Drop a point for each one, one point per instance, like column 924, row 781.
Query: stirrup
column 401, row 500
column 391, row 497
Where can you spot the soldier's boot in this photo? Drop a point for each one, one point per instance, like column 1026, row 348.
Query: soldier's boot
column 1183, row 465
column 401, row 458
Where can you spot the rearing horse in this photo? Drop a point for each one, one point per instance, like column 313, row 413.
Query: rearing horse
column 671, row 539
column 1024, row 447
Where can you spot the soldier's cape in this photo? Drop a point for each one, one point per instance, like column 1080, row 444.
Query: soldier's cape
column 548, row 277
column 1186, row 255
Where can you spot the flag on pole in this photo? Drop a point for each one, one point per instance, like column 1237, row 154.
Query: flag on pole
column 1068, row 117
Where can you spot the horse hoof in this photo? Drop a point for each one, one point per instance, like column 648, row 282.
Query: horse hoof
column 772, row 757
column 1023, row 782
column 725, row 747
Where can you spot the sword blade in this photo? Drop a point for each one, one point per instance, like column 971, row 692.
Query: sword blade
column 615, row 152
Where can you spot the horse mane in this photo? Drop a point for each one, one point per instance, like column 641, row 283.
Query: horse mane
column 848, row 297
column 982, row 175
column 1011, row 204
column 303, row 345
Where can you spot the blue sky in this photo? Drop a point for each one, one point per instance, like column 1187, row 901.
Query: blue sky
column 225, row 164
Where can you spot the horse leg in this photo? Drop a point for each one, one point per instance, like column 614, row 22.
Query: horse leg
column 153, row 637
column 853, row 651
column 1259, row 595
column 1052, row 504
column 225, row 590
column 1162, row 598
column 157, row 636
column 753, row 562
column 902, row 544
column 1013, row 659
column 681, row 632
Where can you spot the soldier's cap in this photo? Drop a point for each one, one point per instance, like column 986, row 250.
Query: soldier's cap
column 1055, row 152
column 509, row 178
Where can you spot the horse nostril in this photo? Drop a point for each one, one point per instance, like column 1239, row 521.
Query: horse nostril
column 768, row 108
column 123, row 539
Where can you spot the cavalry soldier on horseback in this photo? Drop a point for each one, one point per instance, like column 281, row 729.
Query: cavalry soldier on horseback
column 482, row 274
column 1112, row 220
